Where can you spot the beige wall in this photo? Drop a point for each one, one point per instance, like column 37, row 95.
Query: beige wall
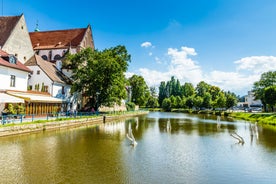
column 19, row 42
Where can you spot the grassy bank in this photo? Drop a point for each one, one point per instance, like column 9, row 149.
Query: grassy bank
column 261, row 118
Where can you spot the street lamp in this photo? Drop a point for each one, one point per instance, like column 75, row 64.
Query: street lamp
column 97, row 95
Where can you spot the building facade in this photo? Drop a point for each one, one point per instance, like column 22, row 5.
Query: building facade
column 15, row 37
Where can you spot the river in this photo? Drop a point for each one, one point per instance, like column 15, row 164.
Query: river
column 171, row 148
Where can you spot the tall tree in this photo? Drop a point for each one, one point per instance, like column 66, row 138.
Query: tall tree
column 231, row 99
column 140, row 91
column 267, row 79
column 270, row 96
column 99, row 75
column 188, row 89
column 202, row 88
column 162, row 92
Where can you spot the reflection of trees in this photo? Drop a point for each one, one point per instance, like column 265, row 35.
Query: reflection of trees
column 189, row 126
column 267, row 136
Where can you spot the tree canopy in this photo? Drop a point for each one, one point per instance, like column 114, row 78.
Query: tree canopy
column 203, row 96
column 99, row 75
column 140, row 91
column 267, row 79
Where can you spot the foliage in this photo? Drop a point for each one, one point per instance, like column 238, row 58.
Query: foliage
column 130, row 106
column 20, row 109
column 267, row 79
column 152, row 102
column 99, row 75
column 167, row 104
column 140, row 92
column 11, row 109
column 270, row 96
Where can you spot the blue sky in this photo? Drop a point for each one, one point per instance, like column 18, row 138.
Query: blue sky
column 227, row 43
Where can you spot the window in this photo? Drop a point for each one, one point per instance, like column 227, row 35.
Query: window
column 12, row 59
column 38, row 72
column 12, row 83
column 57, row 57
column 44, row 57
column 62, row 90
column 46, row 88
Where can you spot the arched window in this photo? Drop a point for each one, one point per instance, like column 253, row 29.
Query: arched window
column 57, row 57
column 45, row 57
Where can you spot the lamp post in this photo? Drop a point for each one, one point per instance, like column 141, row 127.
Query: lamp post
column 97, row 95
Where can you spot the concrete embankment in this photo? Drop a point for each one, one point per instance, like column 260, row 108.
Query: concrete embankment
column 56, row 125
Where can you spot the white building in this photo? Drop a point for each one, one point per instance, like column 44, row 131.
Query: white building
column 14, row 37
column 14, row 76
column 250, row 100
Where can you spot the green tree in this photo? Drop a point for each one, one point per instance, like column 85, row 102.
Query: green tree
column 173, row 101
column 166, row 104
column 267, row 79
column 231, row 100
column 152, row 102
column 270, row 96
column 202, row 88
column 140, row 91
column 198, row 100
column 178, row 101
column 99, row 75
column 207, row 100
column 220, row 102
column 190, row 102
column 187, row 89
column 162, row 92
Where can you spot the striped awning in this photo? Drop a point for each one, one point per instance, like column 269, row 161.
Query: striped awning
column 5, row 98
column 30, row 97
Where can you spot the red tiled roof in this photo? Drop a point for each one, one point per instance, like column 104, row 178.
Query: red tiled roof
column 49, row 68
column 18, row 64
column 57, row 39
column 7, row 24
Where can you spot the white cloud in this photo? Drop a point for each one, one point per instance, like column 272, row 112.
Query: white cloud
column 146, row 44
column 257, row 64
column 180, row 64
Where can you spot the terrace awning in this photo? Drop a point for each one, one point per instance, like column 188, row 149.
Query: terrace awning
column 30, row 97
column 5, row 98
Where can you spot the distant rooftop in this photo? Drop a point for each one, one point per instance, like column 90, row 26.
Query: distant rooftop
column 58, row 38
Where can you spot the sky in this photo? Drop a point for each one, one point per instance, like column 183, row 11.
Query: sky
column 226, row 43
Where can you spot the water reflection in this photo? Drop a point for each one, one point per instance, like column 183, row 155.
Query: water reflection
column 172, row 148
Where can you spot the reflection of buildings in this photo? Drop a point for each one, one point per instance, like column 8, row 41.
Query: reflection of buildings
column 115, row 128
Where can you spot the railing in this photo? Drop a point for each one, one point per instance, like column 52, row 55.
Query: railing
column 20, row 118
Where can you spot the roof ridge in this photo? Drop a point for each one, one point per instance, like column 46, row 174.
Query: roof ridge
column 59, row 30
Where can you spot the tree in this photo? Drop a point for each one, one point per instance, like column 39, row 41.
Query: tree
column 267, row 79
column 220, row 102
column 152, row 102
column 188, row 89
column 207, row 100
column 166, row 104
column 140, row 91
column 162, row 92
column 190, row 102
column 231, row 100
column 99, row 75
column 270, row 96
column 201, row 88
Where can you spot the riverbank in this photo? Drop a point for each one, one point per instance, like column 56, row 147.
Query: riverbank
column 39, row 126
column 260, row 118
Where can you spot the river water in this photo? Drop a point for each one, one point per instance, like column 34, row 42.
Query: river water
column 171, row 148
